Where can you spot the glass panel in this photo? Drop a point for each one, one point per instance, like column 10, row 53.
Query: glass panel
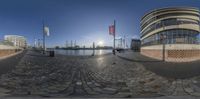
column 174, row 36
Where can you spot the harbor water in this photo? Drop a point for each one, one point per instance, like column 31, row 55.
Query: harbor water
column 82, row 52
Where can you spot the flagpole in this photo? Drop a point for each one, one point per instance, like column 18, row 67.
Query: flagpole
column 43, row 38
column 114, row 38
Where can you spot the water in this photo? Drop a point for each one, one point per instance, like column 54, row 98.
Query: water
column 82, row 52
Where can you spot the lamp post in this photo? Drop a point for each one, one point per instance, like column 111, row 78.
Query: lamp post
column 163, row 37
column 44, row 48
column 114, row 38
column 93, row 49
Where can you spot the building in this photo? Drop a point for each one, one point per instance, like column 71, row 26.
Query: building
column 18, row 41
column 135, row 45
column 171, row 34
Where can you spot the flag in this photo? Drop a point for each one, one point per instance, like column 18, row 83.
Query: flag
column 112, row 30
column 46, row 30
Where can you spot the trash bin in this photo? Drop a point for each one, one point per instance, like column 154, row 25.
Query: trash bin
column 51, row 53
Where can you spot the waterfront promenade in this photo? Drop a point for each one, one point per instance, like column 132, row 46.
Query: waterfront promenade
column 124, row 75
column 8, row 63
column 166, row 69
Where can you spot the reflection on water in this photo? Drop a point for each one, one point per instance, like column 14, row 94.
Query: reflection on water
column 82, row 52
column 100, row 52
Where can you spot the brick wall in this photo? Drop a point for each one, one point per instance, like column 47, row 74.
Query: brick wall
column 183, row 55
column 173, row 55
column 7, row 52
column 157, row 54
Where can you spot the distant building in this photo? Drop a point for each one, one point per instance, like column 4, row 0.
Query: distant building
column 18, row 41
column 135, row 44
column 104, row 47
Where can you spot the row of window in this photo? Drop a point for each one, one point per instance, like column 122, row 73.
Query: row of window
column 167, row 15
column 176, row 36
column 156, row 12
column 168, row 22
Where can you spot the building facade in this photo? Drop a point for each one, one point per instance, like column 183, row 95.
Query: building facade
column 171, row 34
column 135, row 45
column 18, row 41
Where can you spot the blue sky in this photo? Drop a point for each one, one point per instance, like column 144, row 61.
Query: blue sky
column 85, row 21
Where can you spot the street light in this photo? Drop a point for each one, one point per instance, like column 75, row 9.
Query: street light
column 93, row 49
column 163, row 37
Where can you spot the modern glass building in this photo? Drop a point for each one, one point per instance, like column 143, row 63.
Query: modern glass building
column 176, row 27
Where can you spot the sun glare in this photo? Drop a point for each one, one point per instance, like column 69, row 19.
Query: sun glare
column 100, row 43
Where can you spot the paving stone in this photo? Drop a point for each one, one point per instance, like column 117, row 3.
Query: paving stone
column 79, row 83
column 123, row 95
column 196, row 94
column 71, row 76
column 189, row 90
column 89, row 83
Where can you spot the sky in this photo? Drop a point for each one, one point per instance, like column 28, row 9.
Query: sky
column 85, row 21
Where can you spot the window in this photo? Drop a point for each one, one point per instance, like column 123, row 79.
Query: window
column 176, row 36
column 168, row 22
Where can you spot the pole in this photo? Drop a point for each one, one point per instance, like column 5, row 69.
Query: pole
column 114, row 38
column 43, row 39
column 163, row 41
column 38, row 43
column 93, row 49
column 35, row 43
column 124, row 42
column 75, row 43
column 71, row 43
column 66, row 44
column 163, row 48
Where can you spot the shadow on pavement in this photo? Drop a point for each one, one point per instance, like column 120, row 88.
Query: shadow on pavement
column 37, row 55
column 166, row 69
column 174, row 70
column 8, row 64
column 134, row 60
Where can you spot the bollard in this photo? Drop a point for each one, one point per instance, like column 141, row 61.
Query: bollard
column 51, row 53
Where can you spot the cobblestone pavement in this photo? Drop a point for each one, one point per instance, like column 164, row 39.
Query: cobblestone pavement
column 99, row 76
column 167, row 69
column 9, row 63
column 38, row 75
column 184, row 77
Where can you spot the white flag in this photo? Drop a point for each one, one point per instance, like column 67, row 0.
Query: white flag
column 46, row 30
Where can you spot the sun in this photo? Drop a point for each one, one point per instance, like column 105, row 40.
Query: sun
column 100, row 43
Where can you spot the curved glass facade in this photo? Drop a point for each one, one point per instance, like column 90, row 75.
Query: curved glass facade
column 173, row 17
column 175, row 36
column 163, row 10
column 168, row 22
column 166, row 15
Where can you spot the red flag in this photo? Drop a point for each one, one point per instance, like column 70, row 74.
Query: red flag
column 112, row 30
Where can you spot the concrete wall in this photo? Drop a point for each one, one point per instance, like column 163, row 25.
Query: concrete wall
column 173, row 52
